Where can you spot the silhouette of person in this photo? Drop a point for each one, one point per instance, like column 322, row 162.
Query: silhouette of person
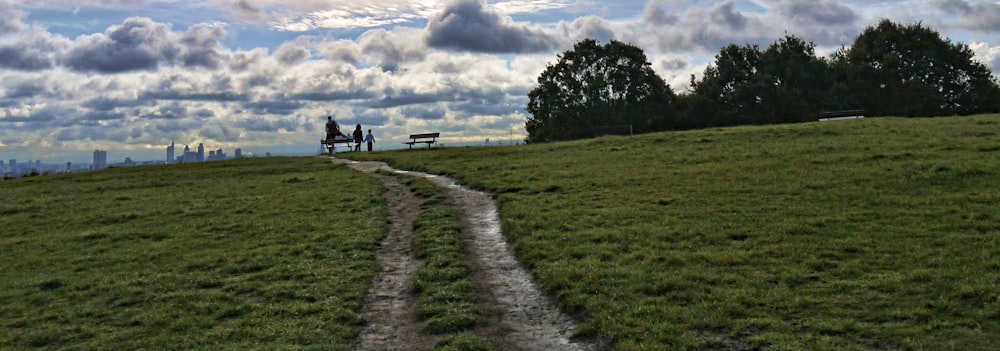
column 369, row 139
column 358, row 137
column 332, row 129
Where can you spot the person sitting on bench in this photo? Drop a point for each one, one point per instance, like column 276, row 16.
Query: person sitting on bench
column 332, row 130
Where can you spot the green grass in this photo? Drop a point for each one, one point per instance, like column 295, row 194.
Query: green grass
column 446, row 302
column 273, row 253
column 880, row 233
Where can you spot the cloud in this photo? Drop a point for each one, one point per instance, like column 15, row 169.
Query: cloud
column 390, row 49
column 589, row 27
column 31, row 51
column 981, row 16
column 292, row 53
column 10, row 21
column 469, row 25
column 138, row 44
column 200, row 46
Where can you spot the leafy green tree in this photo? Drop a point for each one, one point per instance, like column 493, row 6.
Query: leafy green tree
column 795, row 85
column 910, row 70
column 785, row 83
column 596, row 85
column 730, row 85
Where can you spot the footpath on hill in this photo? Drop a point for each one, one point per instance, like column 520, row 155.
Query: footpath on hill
column 520, row 315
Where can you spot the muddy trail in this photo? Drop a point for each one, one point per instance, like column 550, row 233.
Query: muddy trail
column 520, row 316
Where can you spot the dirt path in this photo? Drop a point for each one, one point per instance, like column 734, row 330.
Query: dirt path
column 389, row 306
column 522, row 317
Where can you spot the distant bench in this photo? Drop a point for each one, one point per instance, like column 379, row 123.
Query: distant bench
column 338, row 140
column 841, row 115
column 427, row 138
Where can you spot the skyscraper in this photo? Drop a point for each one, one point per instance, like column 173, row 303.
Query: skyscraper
column 170, row 153
column 201, row 152
column 100, row 159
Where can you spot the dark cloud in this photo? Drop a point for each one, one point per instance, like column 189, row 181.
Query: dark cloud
column 201, row 46
column 105, row 104
column 267, row 125
column 427, row 113
column 468, row 25
column 658, row 16
column 32, row 50
column 100, row 115
column 982, row 16
column 405, row 97
column 206, row 96
column 341, row 50
column 27, row 89
column 818, row 13
column 705, row 30
column 246, row 11
column 589, row 27
column 138, row 44
column 331, row 95
column 368, row 118
column 278, row 107
column 291, row 53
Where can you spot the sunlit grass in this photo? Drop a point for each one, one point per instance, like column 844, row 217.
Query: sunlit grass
column 273, row 253
column 880, row 233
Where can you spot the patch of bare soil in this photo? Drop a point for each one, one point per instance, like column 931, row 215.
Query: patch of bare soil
column 522, row 317
column 389, row 307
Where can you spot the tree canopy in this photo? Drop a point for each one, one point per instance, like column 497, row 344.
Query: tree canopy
column 909, row 70
column 892, row 69
column 596, row 85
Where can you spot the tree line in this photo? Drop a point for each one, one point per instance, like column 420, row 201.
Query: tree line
column 890, row 70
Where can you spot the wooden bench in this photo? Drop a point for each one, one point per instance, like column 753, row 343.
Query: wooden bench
column 338, row 140
column 427, row 138
column 841, row 115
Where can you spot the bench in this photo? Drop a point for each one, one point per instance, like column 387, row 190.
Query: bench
column 841, row 115
column 427, row 138
column 338, row 140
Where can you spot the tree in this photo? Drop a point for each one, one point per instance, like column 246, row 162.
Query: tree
column 910, row 71
column 795, row 84
column 730, row 85
column 785, row 83
column 596, row 85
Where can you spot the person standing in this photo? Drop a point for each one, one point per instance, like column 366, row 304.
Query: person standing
column 358, row 137
column 370, row 139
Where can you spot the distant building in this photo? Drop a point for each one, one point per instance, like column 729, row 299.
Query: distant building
column 201, row 152
column 239, row 153
column 170, row 153
column 188, row 156
column 13, row 165
column 100, row 159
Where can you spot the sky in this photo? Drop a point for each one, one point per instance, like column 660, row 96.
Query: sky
column 131, row 76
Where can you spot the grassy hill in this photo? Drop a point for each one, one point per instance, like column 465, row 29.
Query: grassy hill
column 865, row 234
column 273, row 253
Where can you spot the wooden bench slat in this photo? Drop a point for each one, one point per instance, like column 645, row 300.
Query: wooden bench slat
column 415, row 138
